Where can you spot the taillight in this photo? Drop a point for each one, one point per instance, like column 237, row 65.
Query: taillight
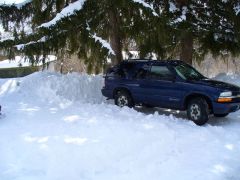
column 104, row 81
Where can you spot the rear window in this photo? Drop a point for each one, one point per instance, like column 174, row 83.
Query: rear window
column 130, row 70
column 115, row 72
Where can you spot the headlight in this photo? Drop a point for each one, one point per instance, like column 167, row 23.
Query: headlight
column 226, row 94
column 225, row 97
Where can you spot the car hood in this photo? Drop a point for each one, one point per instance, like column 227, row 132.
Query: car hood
column 218, row 84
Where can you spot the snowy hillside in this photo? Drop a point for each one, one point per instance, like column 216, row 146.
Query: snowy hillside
column 59, row 127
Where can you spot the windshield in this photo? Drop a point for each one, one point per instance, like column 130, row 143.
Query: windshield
column 188, row 73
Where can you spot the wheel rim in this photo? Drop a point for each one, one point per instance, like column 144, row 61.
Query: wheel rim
column 195, row 112
column 122, row 101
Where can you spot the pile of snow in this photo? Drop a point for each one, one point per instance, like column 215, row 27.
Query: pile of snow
column 57, row 127
column 20, row 61
column 56, row 88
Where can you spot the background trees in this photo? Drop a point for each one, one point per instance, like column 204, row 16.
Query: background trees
column 98, row 30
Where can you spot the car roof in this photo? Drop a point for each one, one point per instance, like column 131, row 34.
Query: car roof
column 140, row 61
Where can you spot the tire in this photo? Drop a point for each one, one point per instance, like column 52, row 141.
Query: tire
column 123, row 98
column 198, row 111
column 221, row 115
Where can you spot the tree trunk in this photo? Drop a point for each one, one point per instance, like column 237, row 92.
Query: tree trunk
column 187, row 48
column 186, row 53
column 115, row 37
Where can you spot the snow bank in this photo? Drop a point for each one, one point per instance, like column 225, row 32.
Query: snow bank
column 43, row 136
column 230, row 78
column 57, row 88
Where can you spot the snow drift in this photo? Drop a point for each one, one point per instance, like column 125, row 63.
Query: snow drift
column 230, row 78
column 54, row 87
column 58, row 127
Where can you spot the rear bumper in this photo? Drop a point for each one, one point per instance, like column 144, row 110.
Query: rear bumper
column 107, row 93
column 224, row 108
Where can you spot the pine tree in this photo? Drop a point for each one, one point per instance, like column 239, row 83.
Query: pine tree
column 199, row 27
column 98, row 30
column 85, row 31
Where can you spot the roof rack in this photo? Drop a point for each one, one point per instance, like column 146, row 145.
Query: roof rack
column 147, row 60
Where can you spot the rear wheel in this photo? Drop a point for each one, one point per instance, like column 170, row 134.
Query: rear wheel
column 123, row 98
column 221, row 115
column 198, row 111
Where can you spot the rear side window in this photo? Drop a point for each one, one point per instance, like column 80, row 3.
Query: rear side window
column 142, row 72
column 160, row 73
column 115, row 72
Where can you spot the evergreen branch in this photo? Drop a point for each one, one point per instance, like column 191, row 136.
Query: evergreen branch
column 67, row 11
column 146, row 5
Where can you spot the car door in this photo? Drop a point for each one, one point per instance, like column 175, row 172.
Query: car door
column 138, row 83
column 161, row 87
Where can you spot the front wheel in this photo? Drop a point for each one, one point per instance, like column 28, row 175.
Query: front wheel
column 220, row 115
column 123, row 98
column 198, row 111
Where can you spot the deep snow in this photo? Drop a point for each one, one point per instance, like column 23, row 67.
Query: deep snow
column 59, row 127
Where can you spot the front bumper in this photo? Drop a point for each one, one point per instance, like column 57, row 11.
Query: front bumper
column 224, row 108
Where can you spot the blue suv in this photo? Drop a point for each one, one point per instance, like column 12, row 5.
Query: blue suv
column 170, row 84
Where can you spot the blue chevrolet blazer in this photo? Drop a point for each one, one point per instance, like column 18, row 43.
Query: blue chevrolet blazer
column 170, row 84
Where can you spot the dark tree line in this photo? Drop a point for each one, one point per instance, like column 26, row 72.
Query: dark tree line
column 98, row 30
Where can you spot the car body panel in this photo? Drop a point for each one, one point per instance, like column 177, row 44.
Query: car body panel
column 170, row 93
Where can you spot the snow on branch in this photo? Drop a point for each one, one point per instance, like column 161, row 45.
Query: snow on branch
column 67, row 11
column 5, row 36
column 142, row 2
column 237, row 9
column 7, row 39
column 22, row 46
column 18, row 5
column 104, row 44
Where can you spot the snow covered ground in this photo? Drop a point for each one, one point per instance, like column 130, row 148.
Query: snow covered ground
column 59, row 127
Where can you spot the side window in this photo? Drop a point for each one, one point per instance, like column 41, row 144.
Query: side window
column 160, row 72
column 115, row 72
column 142, row 72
